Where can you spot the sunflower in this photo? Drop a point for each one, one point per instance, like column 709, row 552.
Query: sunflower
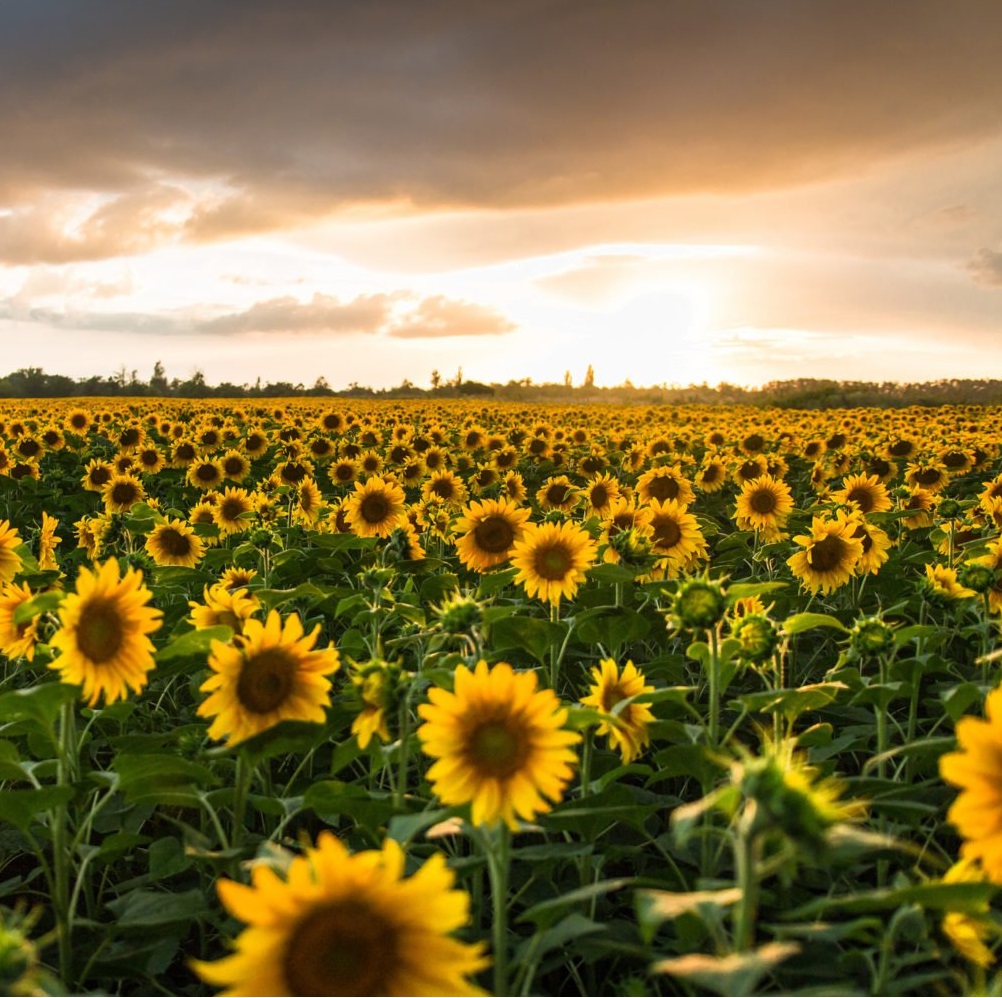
column 499, row 742
column 969, row 930
column 122, row 493
column 513, row 486
column 231, row 513
column 444, row 487
column 557, row 493
column 830, row 554
column 255, row 443
column 930, row 475
column 78, row 421
column 675, row 536
column 97, row 474
column 236, row 467
column 977, row 769
column 665, row 484
column 224, row 606
column 866, row 492
column 942, row 582
column 10, row 560
column 876, row 545
column 764, row 504
column 624, row 726
column 236, row 578
column 489, row 531
column 920, row 503
column 552, row 560
column 47, row 544
column 376, row 508
column 712, row 475
column 599, row 495
column 103, row 641
column 206, row 474
column 343, row 924
column 343, row 471
column 17, row 640
column 173, row 543
column 274, row 675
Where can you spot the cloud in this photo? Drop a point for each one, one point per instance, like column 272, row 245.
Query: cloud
column 986, row 267
column 400, row 314
column 302, row 109
column 439, row 316
column 322, row 314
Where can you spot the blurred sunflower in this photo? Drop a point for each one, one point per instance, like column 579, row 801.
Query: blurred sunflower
column 489, row 530
column 273, row 675
column 17, row 640
column 942, row 582
column 10, row 560
column 876, row 546
column 47, row 544
column 969, row 930
column 231, row 512
column 665, row 484
column 499, row 742
column 224, row 605
column 624, row 726
column 206, row 474
column 552, row 560
column 445, row 487
column 103, row 641
column 122, row 493
column 866, row 492
column 976, row 768
column 342, row 924
column 830, row 554
column 173, row 543
column 557, row 493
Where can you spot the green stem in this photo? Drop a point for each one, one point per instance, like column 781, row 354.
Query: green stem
column 586, row 753
column 61, row 855
column 498, row 860
column 746, row 850
column 554, row 651
column 713, row 667
column 402, row 760
column 243, row 780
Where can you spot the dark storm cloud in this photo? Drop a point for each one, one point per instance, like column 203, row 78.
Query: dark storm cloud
column 298, row 108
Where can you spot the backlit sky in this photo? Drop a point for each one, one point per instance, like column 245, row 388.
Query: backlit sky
column 671, row 191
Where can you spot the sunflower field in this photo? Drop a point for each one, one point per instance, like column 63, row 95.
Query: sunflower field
column 417, row 698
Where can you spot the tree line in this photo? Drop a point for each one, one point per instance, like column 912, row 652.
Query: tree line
column 799, row 393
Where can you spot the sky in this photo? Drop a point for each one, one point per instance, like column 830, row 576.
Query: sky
column 670, row 191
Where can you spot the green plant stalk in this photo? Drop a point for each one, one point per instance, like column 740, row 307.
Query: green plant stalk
column 405, row 732
column 882, row 747
column 586, row 753
column 554, row 651
column 746, row 854
column 244, row 779
column 713, row 677
column 61, row 855
column 497, row 849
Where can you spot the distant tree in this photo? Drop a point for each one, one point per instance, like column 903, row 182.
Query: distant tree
column 568, row 382
column 436, row 380
column 589, row 378
column 158, row 380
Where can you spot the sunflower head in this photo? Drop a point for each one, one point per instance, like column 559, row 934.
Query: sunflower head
column 698, row 604
column 499, row 742
column 871, row 636
column 613, row 692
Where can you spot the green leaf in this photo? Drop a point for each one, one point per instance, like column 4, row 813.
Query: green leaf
column 146, row 909
column 801, row 622
column 567, row 930
column 545, row 913
column 330, row 799
column 968, row 897
column 403, row 828
column 743, row 590
column 655, row 907
column 39, row 703
column 164, row 778
column 536, row 636
column 194, row 644
column 734, row 974
column 792, row 703
column 42, row 603
column 19, row 807
column 610, row 574
column 495, row 582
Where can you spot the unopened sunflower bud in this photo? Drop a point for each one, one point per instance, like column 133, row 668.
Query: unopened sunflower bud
column 950, row 509
column 980, row 578
column 758, row 637
column 699, row 604
column 459, row 614
column 871, row 636
column 262, row 539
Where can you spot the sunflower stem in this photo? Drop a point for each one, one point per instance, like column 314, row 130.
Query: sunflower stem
column 586, row 753
column 497, row 850
column 554, row 651
column 746, row 850
column 402, row 760
column 243, row 780
column 713, row 668
column 61, row 855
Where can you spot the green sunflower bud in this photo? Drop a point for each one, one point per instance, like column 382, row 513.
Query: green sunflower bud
column 699, row 604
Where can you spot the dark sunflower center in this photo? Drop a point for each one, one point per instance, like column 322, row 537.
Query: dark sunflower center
column 129, row 438
column 344, row 472
column 255, row 442
column 498, row 747
column 443, row 488
column 928, row 476
column 78, row 422
column 763, row 501
column 206, row 473
column 955, row 459
column 611, row 695
column 100, row 476
column 124, row 494
column 374, row 508
column 710, row 474
column 294, row 472
column 861, row 534
column 863, row 498
column 664, row 488
column 494, row 535
column 754, row 442
column 29, row 448
column 344, row 948
column 557, row 494
column 667, row 533
column 233, row 465
column 553, row 563
column 99, row 630
column 900, row 448
column 231, row 510
column 266, row 680
column 750, row 470
column 827, row 554
column 879, row 467
column 174, row 543
column 184, row 452
column 599, row 496
column 592, row 464
column 538, row 446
